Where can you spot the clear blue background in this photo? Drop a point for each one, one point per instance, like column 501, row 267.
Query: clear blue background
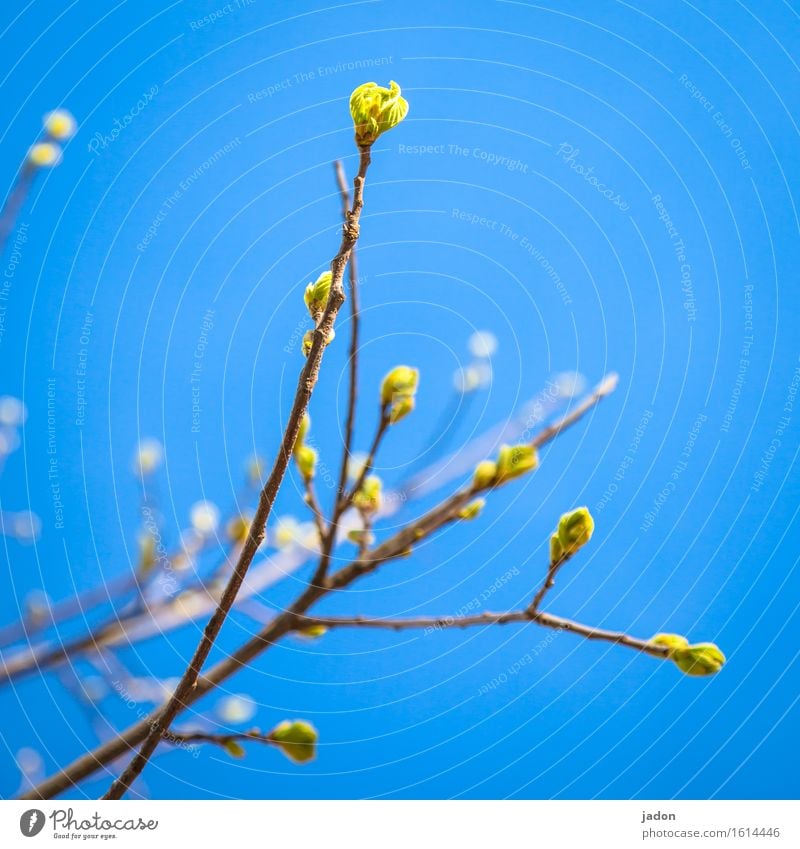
column 401, row 715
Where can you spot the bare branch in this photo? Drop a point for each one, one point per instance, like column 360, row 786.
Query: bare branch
column 546, row 620
column 294, row 617
column 305, row 386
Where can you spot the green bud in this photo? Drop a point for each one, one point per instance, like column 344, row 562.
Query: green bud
column 306, row 458
column 297, row 740
column 368, row 498
column 699, row 659
column 556, row 549
column 308, row 340
column 375, row 110
column 575, row 529
column 473, row 509
column 233, row 749
column 514, row 461
column 485, row 473
column 316, row 296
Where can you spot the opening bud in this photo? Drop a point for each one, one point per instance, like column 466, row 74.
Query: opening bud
column 514, row 461
column 316, row 296
column 375, row 110
column 699, row 659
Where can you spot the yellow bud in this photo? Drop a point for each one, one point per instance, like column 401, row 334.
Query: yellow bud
column 44, row 155
column 575, row 529
column 556, row 549
column 515, row 460
column 368, row 498
column 360, row 536
column 306, row 459
column 238, row 528
column 308, row 340
column 255, row 470
column 233, row 748
column 670, row 641
column 401, row 408
column 375, row 110
column 305, row 426
column 297, row 740
column 401, row 380
column 313, row 632
column 473, row 509
column 316, row 296
column 147, row 554
column 59, row 125
column 485, row 473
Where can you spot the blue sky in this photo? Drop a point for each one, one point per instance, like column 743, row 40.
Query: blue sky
column 602, row 187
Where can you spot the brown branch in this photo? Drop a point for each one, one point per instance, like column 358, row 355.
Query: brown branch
column 547, row 620
column 178, row 738
column 305, row 386
column 349, row 427
column 606, row 386
column 290, row 620
column 344, row 501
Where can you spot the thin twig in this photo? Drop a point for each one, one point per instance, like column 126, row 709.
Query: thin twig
column 179, row 738
column 273, row 631
column 355, row 319
column 549, row 581
column 547, row 620
column 305, row 386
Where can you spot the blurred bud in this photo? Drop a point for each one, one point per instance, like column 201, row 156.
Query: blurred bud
column 12, row 411
column 204, row 516
column 556, row 549
column 316, row 296
column 148, row 456
column 233, row 748
column 355, row 465
column 360, row 536
column 314, row 632
column 238, row 528
column 59, row 125
column 305, row 426
column 306, row 458
column 287, row 532
column 255, row 470
column 514, row 461
column 236, row 709
column 375, row 110
column 44, row 155
column 308, row 341
column 485, row 473
column 368, row 498
column 296, row 739
column 24, row 526
column 473, row 509
column 147, row 554
column 575, row 529
column 37, row 608
column 482, row 344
